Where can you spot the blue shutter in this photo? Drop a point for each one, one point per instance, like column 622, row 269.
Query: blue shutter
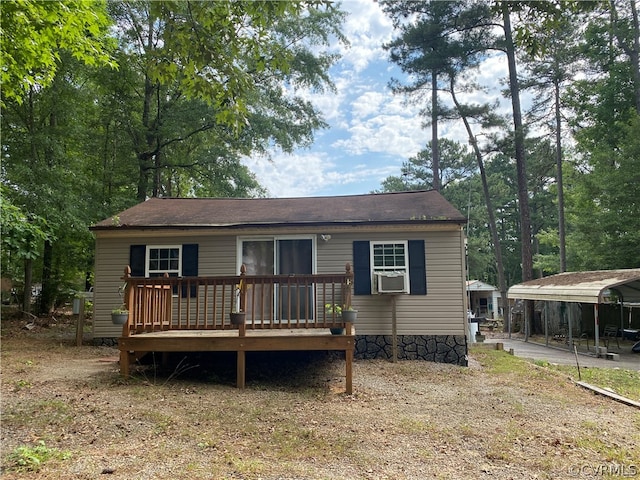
column 361, row 268
column 189, row 266
column 137, row 257
column 417, row 268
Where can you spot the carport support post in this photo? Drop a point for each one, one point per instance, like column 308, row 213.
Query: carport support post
column 570, row 326
column 596, row 333
column 525, row 318
column 546, row 323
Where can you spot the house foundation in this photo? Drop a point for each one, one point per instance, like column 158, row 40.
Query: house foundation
column 432, row 348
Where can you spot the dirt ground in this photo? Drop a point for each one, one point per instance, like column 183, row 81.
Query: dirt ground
column 408, row 420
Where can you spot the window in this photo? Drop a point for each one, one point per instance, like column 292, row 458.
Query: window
column 280, row 256
column 406, row 256
column 163, row 260
column 156, row 260
column 389, row 257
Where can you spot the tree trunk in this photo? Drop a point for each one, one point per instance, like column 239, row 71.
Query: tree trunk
column 28, row 284
column 47, row 295
column 523, row 190
column 435, row 151
column 495, row 238
column 146, row 152
column 561, row 223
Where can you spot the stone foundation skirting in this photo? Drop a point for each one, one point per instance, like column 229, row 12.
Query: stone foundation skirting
column 433, row 348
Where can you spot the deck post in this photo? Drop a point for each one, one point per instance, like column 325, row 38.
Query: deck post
column 241, row 364
column 349, row 361
column 346, row 287
column 127, row 298
column 124, row 363
column 127, row 292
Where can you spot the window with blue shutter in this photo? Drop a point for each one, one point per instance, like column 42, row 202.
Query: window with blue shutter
column 361, row 268
column 175, row 261
column 417, row 268
column 386, row 254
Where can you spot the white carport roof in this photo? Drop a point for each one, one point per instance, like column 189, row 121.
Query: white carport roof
column 584, row 287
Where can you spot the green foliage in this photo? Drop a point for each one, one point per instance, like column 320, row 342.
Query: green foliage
column 34, row 32
column 603, row 205
column 200, row 85
column 456, row 164
column 234, row 96
column 22, row 234
column 30, row 459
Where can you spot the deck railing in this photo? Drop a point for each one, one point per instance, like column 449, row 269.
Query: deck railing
column 204, row 303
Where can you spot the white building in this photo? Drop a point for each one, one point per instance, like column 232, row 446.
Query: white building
column 483, row 299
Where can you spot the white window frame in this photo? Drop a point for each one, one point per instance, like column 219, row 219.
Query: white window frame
column 275, row 239
column 149, row 272
column 393, row 268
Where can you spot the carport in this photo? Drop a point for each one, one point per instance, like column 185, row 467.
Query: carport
column 593, row 287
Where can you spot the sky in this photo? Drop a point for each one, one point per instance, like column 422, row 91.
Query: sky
column 371, row 131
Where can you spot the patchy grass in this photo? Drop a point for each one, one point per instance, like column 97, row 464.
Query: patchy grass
column 29, row 459
column 501, row 418
column 621, row 381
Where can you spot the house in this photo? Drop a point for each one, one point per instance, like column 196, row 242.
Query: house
column 406, row 252
column 483, row 299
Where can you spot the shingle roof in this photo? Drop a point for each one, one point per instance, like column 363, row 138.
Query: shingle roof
column 402, row 207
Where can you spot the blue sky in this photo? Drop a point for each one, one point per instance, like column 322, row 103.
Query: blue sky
column 371, row 131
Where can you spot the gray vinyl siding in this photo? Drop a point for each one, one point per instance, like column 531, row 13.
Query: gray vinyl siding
column 440, row 312
column 216, row 256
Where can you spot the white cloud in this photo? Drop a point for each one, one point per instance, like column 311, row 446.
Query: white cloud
column 367, row 29
column 371, row 131
column 367, row 104
column 295, row 175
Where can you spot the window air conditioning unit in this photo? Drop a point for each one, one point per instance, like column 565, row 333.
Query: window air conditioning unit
column 391, row 282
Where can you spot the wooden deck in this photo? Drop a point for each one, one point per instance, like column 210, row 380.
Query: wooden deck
column 136, row 346
column 161, row 319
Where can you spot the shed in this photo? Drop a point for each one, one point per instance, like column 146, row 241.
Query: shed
column 483, row 299
column 415, row 238
column 590, row 287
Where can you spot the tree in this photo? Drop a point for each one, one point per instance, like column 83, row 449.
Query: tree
column 519, row 137
column 549, row 74
column 36, row 32
column 46, row 173
column 417, row 173
column 235, row 59
column 432, row 36
column 603, row 206
column 22, row 238
column 199, row 85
